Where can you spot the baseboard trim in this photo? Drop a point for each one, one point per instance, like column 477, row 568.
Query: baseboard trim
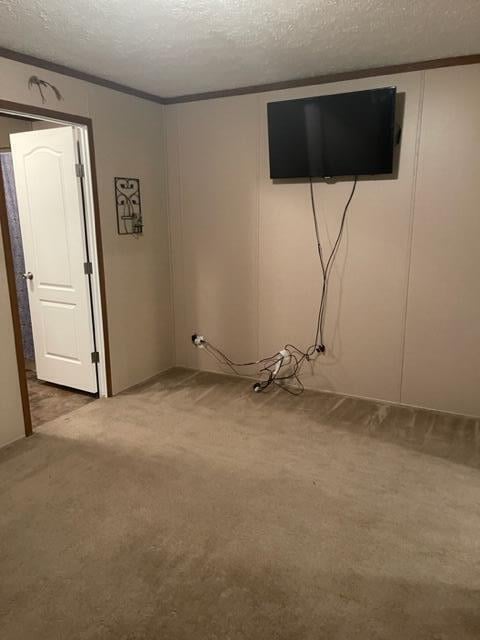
column 339, row 394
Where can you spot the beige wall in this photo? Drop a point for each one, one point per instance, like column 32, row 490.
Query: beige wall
column 442, row 349
column 129, row 140
column 244, row 260
column 11, row 413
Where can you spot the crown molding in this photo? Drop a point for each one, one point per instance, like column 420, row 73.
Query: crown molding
column 79, row 75
column 328, row 78
column 260, row 88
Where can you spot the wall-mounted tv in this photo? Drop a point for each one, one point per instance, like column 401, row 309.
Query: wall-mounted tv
column 346, row 134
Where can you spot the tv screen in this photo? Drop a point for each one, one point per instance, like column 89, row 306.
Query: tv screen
column 346, row 134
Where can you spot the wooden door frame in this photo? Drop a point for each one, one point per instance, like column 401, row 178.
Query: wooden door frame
column 67, row 118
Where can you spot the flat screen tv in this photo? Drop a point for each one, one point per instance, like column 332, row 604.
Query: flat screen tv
column 346, row 134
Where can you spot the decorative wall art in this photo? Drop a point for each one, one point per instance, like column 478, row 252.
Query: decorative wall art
column 129, row 206
column 35, row 81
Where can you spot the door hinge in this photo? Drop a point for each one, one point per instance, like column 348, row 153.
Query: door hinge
column 88, row 268
column 79, row 170
column 95, row 357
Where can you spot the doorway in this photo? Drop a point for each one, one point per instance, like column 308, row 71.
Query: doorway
column 53, row 255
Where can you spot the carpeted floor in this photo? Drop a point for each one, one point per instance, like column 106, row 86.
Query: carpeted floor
column 192, row 509
column 49, row 401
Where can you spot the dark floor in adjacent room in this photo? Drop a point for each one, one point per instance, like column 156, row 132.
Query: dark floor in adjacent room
column 49, row 401
column 191, row 508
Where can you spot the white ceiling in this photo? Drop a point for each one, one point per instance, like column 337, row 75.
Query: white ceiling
column 174, row 47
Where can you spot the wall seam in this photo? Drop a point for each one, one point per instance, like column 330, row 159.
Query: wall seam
column 411, row 231
column 257, row 258
column 166, row 182
column 178, row 146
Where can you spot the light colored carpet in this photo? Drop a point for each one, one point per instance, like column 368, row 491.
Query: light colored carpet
column 193, row 509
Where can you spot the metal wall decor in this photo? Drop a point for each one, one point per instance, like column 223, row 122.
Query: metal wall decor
column 129, row 206
column 35, row 81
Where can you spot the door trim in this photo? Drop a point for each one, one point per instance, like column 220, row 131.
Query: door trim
column 12, row 293
column 25, row 110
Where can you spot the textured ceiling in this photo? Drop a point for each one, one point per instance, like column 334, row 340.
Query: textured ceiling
column 174, row 47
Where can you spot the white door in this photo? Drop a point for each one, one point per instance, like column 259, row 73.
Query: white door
column 51, row 219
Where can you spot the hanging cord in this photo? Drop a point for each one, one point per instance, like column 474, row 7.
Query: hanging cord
column 326, row 270
column 291, row 358
column 318, row 346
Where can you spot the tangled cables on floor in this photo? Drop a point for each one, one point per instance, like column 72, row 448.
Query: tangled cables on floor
column 283, row 368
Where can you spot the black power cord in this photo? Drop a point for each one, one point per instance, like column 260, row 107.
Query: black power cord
column 327, row 268
column 291, row 358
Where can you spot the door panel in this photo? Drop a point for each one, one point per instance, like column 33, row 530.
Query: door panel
column 51, row 219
